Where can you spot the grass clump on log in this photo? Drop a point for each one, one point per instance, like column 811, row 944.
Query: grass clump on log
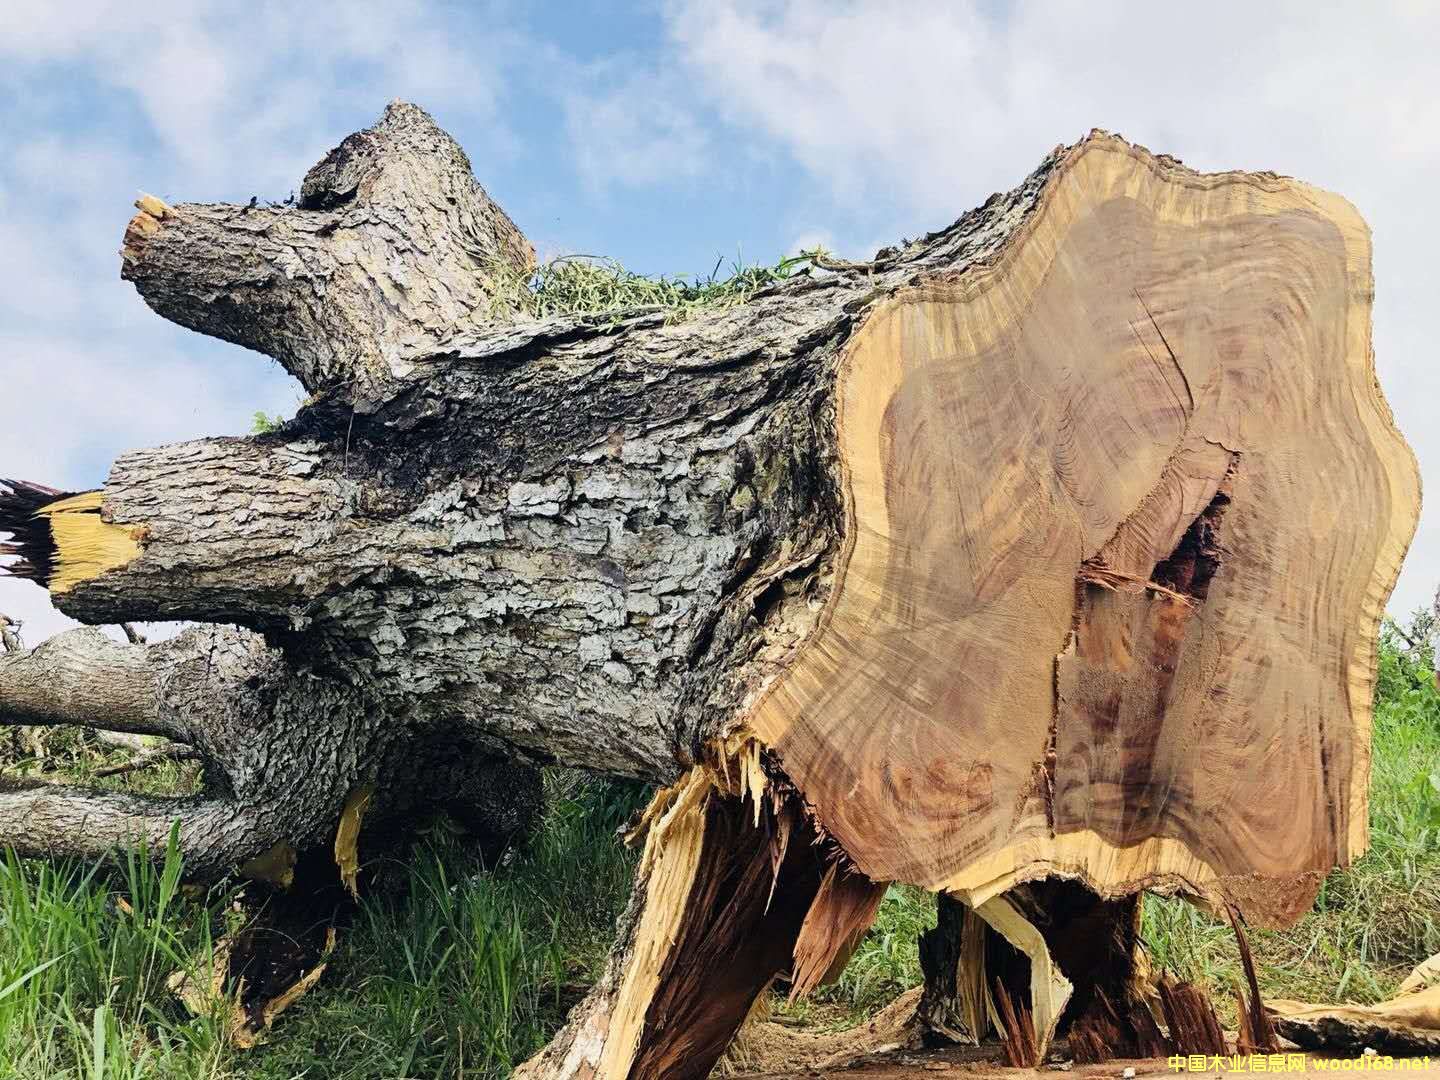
column 596, row 285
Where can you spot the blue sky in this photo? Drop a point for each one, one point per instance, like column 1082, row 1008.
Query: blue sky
column 665, row 134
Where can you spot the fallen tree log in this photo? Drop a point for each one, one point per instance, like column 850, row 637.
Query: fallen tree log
column 1052, row 544
column 1407, row 1024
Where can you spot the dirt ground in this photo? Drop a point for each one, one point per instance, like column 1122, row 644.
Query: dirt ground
column 882, row 1049
column 981, row 1063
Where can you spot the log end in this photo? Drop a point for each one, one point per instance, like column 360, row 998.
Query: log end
column 1123, row 507
column 153, row 213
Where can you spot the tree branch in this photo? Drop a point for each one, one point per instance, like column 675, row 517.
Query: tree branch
column 392, row 244
column 43, row 820
column 10, row 635
column 82, row 677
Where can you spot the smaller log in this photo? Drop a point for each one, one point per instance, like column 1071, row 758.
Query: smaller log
column 1404, row 1026
column 145, row 758
column 1407, row 1024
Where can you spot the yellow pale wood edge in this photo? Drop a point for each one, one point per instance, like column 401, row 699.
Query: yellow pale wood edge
column 1104, row 866
column 977, row 1004
column 1425, row 975
column 86, row 545
column 1166, row 861
column 153, row 213
column 302, row 986
column 673, row 830
column 277, row 866
column 207, row 996
column 347, row 835
column 1049, row 989
column 1418, row 1010
column 667, row 869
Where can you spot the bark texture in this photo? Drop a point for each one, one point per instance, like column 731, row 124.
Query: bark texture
column 1052, row 543
column 391, row 245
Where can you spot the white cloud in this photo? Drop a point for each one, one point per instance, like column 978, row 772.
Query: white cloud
column 936, row 108
column 227, row 83
column 903, row 115
column 632, row 128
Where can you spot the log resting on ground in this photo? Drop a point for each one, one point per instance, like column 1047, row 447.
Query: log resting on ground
column 1052, row 544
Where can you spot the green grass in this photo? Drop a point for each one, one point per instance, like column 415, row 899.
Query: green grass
column 462, row 971
column 1372, row 922
column 589, row 285
column 458, row 972
column 74, row 755
column 595, row 285
column 82, row 976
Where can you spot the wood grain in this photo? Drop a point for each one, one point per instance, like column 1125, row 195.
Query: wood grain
column 1123, row 511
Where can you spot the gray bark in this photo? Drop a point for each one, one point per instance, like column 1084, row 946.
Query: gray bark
column 392, row 242
column 589, row 540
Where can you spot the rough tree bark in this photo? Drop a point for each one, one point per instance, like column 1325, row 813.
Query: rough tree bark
column 1052, row 544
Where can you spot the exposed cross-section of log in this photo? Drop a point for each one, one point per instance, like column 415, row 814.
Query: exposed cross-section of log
column 1053, row 543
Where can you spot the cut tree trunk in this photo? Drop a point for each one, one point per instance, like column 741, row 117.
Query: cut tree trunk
column 1051, row 544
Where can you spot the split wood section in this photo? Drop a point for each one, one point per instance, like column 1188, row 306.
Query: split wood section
column 734, row 890
column 1123, row 510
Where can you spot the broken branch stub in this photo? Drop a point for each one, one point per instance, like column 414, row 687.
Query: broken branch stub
column 391, row 245
column 1053, row 543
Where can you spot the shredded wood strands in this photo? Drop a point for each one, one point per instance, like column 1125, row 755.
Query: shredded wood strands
column 1256, row 1035
column 738, row 889
column 741, row 751
column 1017, row 1032
column 1104, row 1033
column 30, row 542
column 842, row 911
column 1049, row 989
column 667, row 868
column 1191, row 1020
column 976, row 1004
column 85, row 544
